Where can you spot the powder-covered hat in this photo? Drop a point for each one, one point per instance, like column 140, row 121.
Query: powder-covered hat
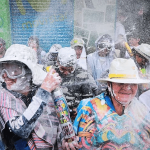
column 27, row 56
column 144, row 50
column 67, row 57
column 124, row 71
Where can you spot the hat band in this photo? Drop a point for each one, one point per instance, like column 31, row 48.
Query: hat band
column 122, row 76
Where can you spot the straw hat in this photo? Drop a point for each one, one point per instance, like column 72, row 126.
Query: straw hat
column 123, row 71
column 144, row 50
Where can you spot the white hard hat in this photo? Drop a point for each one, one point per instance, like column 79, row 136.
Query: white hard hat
column 67, row 57
column 124, row 71
column 27, row 56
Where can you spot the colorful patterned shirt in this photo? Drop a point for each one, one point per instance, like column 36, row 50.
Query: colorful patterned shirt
column 100, row 127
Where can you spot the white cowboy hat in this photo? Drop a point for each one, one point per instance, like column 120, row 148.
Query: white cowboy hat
column 26, row 55
column 123, row 71
column 144, row 50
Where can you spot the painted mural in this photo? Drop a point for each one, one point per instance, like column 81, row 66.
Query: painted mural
column 51, row 21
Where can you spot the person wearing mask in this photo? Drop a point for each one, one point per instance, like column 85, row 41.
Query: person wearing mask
column 33, row 42
column 28, row 120
column 76, row 83
column 99, row 61
column 78, row 45
column 115, row 119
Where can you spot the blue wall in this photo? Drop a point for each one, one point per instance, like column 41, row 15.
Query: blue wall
column 50, row 20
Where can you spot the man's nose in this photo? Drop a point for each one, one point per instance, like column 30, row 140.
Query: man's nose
column 127, row 86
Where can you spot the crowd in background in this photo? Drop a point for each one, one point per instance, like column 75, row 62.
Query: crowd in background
column 26, row 88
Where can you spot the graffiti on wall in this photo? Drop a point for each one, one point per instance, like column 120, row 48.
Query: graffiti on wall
column 51, row 21
column 44, row 21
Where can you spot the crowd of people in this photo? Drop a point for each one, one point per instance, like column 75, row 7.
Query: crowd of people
column 107, row 93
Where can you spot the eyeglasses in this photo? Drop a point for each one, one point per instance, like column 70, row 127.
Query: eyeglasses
column 14, row 70
column 103, row 46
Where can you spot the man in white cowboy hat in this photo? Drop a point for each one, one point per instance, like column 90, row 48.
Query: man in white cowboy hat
column 27, row 115
column 79, row 46
column 115, row 119
column 142, row 60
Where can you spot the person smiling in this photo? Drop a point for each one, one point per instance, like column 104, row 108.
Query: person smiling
column 115, row 119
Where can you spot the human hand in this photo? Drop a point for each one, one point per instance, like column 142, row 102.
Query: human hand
column 52, row 81
column 72, row 145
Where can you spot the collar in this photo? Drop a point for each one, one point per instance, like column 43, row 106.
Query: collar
column 26, row 99
column 107, row 100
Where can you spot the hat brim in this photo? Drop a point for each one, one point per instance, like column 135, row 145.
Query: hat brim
column 78, row 45
column 123, row 80
column 38, row 73
column 143, row 54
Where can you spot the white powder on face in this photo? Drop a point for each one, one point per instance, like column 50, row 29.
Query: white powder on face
column 129, row 87
column 118, row 98
column 20, row 84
